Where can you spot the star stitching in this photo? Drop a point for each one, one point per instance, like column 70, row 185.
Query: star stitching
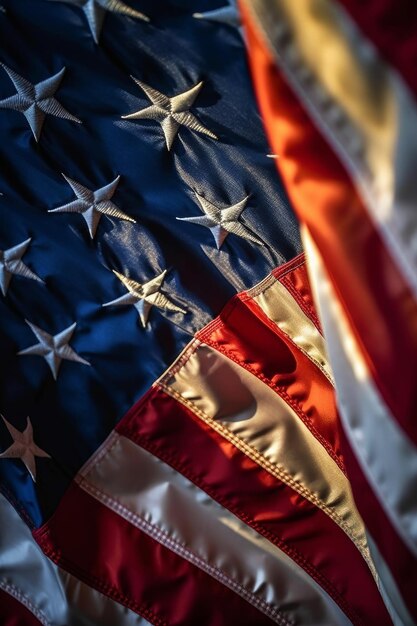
column 95, row 12
column 11, row 264
column 23, row 447
column 93, row 204
column 53, row 348
column 222, row 221
column 172, row 112
column 143, row 296
column 36, row 101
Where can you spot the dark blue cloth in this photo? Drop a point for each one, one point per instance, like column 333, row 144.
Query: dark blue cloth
column 73, row 415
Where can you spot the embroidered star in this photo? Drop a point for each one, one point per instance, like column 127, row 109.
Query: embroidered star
column 23, row 447
column 11, row 264
column 221, row 222
column 228, row 14
column 171, row 113
column 145, row 296
column 36, row 101
column 53, row 348
column 95, row 12
column 93, row 204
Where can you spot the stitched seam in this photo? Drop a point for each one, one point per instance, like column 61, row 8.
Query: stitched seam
column 292, row 265
column 280, row 391
column 279, row 472
column 162, row 537
column 205, row 334
column 112, row 592
column 275, row 469
column 182, row 360
column 99, row 454
column 19, row 595
column 273, row 324
column 265, row 284
column 308, row 355
column 132, row 412
column 281, row 275
column 304, row 305
column 171, row 459
column 252, row 452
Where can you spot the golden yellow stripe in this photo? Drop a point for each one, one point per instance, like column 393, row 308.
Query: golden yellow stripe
column 281, row 308
column 250, row 415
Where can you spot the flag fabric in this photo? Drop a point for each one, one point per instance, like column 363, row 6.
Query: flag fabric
column 170, row 450
column 221, row 497
column 116, row 249
column 337, row 91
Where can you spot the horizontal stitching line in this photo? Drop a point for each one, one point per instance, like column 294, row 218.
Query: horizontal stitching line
column 99, row 455
column 55, row 554
column 182, row 359
column 315, row 361
column 275, row 469
column 17, row 593
column 282, row 271
column 284, row 395
column 303, row 304
column 172, row 459
column 162, row 537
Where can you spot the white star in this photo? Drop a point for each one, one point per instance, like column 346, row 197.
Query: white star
column 11, row 264
column 171, row 113
column 36, row 101
column 226, row 15
column 53, row 348
column 221, row 222
column 23, row 447
column 93, row 204
column 144, row 296
column 95, row 12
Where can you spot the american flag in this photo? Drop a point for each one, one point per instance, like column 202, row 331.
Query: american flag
column 172, row 451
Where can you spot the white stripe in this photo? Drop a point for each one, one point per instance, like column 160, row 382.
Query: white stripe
column 389, row 589
column 55, row 597
column 92, row 608
column 369, row 119
column 387, row 457
column 165, row 505
column 26, row 573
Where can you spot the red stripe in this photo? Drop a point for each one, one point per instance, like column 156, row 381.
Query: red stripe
column 246, row 336
column 375, row 296
column 294, row 277
column 110, row 554
column 392, row 27
column 174, row 434
column 14, row 613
